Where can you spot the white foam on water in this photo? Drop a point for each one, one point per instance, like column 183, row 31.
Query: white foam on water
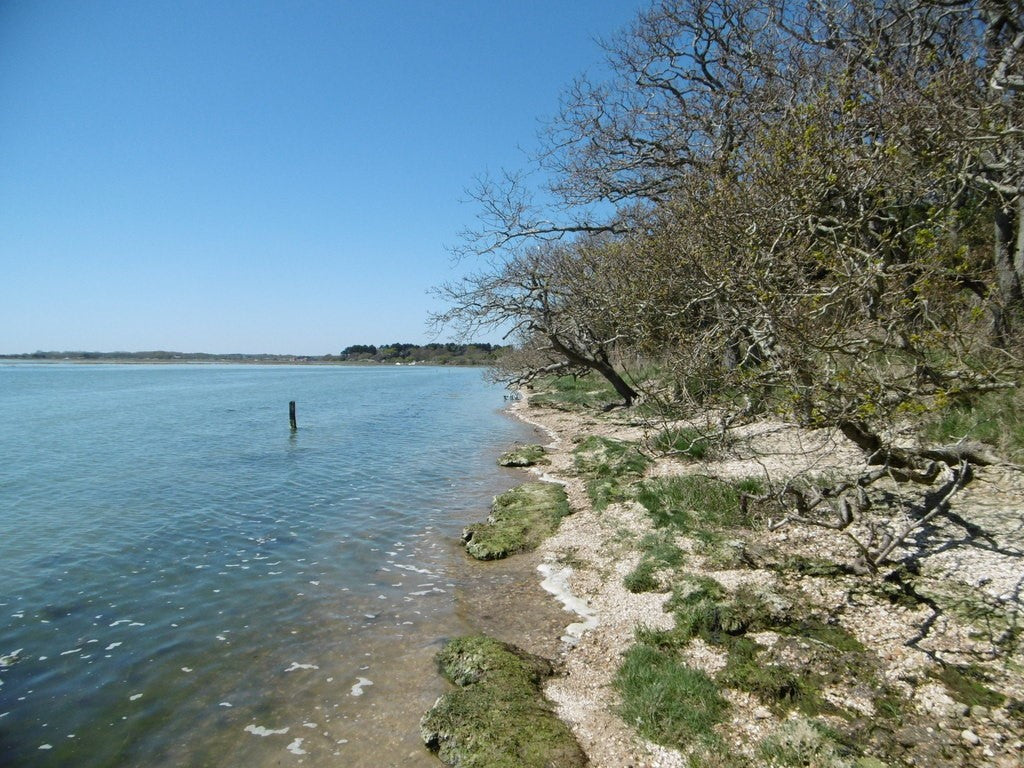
column 296, row 665
column 556, row 581
column 357, row 689
column 73, row 650
column 112, row 646
column 186, row 669
column 135, row 697
column 432, row 590
column 226, row 704
column 412, row 568
column 46, row 746
column 259, row 730
column 296, row 747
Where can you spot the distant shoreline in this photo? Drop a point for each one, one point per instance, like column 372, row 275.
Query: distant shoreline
column 228, row 361
column 448, row 354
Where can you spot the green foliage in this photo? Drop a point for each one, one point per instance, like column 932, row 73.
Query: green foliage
column 996, row 418
column 520, row 520
column 498, row 717
column 668, row 702
column 431, row 354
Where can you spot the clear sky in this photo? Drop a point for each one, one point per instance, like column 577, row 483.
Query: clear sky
column 256, row 176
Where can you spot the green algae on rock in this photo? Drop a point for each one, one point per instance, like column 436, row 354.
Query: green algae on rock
column 497, row 717
column 520, row 520
column 523, row 456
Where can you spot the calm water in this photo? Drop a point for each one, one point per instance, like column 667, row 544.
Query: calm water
column 184, row 581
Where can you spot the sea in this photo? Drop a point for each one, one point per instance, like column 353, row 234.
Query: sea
column 185, row 580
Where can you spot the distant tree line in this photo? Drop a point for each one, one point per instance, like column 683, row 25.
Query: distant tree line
column 153, row 355
column 430, row 354
column 435, row 353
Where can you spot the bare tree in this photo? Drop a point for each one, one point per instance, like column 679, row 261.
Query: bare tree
column 552, row 299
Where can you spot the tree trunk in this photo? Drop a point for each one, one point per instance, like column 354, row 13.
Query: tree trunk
column 626, row 392
column 598, row 363
column 1009, row 263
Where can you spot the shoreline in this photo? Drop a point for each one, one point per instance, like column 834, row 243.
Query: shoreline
column 582, row 695
column 594, row 551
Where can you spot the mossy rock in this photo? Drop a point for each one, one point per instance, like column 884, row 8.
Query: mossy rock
column 520, row 520
column 498, row 717
column 523, row 456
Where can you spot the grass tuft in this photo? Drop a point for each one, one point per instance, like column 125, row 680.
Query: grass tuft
column 574, row 393
column 666, row 701
column 996, row 418
column 693, row 502
column 800, row 743
column 659, row 553
column 966, row 684
column 609, row 467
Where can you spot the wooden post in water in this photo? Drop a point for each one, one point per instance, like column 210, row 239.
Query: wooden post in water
column 291, row 414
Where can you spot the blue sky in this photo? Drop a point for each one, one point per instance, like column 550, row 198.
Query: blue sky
column 254, row 176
